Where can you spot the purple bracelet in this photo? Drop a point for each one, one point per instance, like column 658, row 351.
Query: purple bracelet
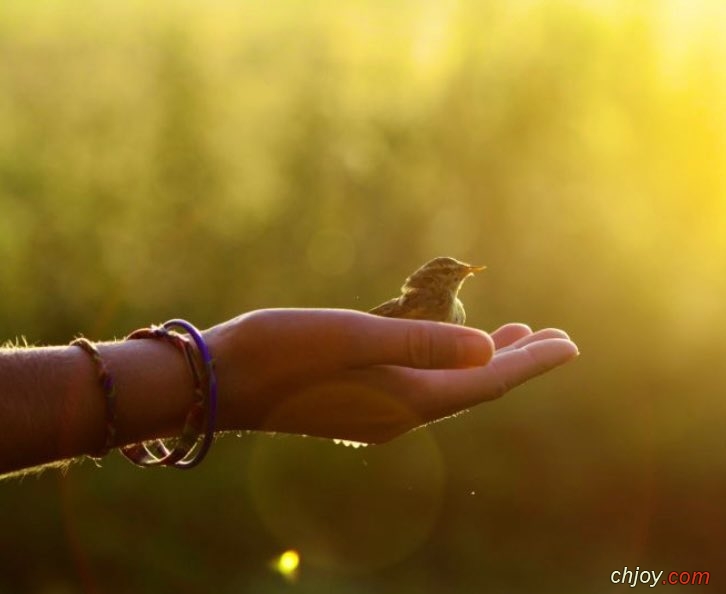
column 211, row 392
column 189, row 451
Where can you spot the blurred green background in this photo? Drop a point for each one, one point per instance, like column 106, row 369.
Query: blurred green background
column 204, row 159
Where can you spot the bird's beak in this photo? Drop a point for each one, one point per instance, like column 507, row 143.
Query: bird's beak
column 473, row 269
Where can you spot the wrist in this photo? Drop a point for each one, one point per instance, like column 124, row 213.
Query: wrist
column 153, row 389
column 231, row 352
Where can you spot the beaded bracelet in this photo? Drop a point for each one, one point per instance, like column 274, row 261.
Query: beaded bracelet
column 109, row 393
column 202, row 416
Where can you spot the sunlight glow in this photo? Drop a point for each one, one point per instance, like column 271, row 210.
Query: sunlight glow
column 287, row 564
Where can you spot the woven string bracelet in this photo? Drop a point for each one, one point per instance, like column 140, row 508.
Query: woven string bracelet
column 188, row 451
column 109, row 393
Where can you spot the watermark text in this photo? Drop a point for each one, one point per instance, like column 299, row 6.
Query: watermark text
column 653, row 578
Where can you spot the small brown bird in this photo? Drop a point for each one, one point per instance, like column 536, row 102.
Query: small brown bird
column 431, row 293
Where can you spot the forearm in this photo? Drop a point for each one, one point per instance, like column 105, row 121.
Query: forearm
column 52, row 407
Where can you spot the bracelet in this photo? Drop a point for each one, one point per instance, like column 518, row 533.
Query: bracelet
column 201, row 420
column 202, row 416
column 109, row 393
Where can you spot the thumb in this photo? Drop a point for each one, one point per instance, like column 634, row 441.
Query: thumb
column 320, row 340
column 424, row 345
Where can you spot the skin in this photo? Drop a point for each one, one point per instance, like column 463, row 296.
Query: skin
column 330, row 373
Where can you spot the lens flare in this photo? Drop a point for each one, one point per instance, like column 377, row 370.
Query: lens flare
column 287, row 563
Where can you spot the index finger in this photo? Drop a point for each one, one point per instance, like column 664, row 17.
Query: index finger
column 446, row 392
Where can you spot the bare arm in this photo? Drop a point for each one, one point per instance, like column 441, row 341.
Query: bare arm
column 51, row 407
column 330, row 373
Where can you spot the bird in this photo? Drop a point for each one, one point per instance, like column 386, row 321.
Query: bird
column 431, row 293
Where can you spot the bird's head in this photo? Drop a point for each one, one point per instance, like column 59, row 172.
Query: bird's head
column 441, row 273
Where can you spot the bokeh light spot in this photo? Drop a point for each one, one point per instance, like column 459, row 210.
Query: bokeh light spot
column 287, row 564
column 352, row 511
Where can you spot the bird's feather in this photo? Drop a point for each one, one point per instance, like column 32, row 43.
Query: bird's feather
column 430, row 293
column 413, row 306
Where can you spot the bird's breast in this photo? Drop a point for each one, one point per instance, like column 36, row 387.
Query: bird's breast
column 458, row 314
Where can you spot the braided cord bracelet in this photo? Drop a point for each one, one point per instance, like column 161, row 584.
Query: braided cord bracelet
column 188, row 450
column 109, row 394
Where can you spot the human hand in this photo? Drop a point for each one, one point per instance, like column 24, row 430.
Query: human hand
column 354, row 376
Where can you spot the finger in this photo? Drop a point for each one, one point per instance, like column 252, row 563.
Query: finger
column 507, row 334
column 375, row 404
column 444, row 392
column 534, row 337
column 433, row 345
column 325, row 339
column 419, row 344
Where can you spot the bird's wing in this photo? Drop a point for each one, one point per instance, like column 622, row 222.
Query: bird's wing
column 390, row 309
column 396, row 308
